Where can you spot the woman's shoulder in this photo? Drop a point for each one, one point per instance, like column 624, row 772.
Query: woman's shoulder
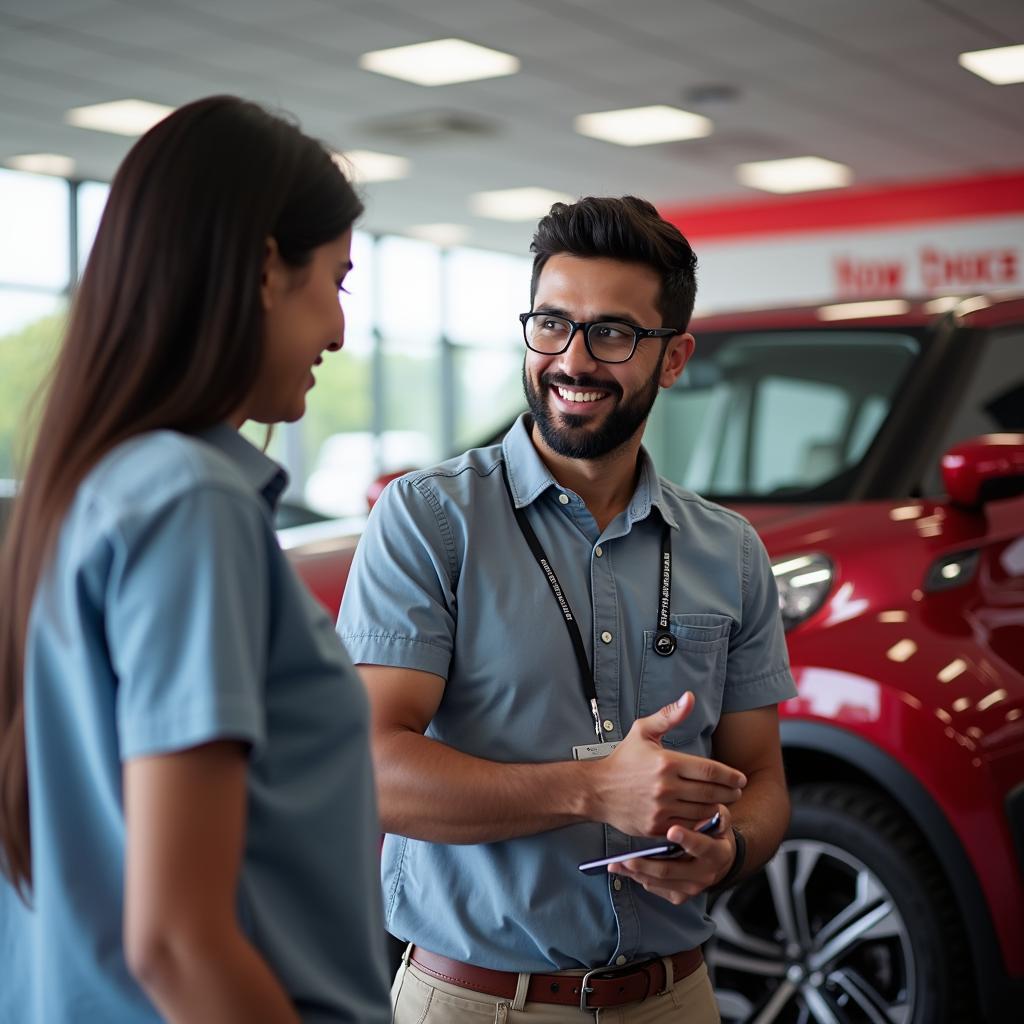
column 149, row 470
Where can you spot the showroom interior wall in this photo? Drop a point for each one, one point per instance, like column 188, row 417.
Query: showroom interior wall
column 431, row 363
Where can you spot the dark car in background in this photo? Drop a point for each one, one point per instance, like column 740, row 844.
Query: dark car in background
column 881, row 460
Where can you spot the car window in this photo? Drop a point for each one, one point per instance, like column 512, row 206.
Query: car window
column 993, row 399
column 778, row 413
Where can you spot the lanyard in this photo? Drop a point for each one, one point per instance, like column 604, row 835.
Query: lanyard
column 664, row 641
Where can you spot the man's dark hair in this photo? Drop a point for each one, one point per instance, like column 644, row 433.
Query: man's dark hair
column 627, row 229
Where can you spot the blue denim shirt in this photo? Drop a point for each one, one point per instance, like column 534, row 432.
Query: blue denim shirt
column 169, row 617
column 444, row 582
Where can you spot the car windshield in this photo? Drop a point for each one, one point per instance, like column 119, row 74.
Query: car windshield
column 778, row 415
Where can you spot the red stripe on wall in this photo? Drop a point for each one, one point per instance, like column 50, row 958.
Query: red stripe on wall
column 846, row 209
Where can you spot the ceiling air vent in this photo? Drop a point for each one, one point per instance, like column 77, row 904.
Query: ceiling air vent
column 728, row 147
column 425, row 126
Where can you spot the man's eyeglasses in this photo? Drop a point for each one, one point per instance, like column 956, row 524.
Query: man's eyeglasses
column 608, row 341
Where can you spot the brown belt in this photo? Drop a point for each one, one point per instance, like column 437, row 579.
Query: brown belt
column 603, row 986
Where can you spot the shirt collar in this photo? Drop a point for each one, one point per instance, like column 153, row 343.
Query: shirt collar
column 529, row 477
column 265, row 476
column 649, row 493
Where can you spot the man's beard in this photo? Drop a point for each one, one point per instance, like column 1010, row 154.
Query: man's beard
column 569, row 436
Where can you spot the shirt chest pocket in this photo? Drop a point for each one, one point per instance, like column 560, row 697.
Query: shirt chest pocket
column 697, row 664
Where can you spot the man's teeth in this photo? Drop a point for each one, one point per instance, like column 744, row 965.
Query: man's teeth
column 579, row 396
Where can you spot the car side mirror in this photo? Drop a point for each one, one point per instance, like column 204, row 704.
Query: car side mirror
column 984, row 469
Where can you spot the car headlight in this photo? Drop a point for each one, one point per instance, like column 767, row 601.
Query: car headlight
column 804, row 582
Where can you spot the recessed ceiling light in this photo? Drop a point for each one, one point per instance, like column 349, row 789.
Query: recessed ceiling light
column 43, row 163
column 794, row 174
column 643, row 126
column 857, row 310
column 516, row 203
column 1003, row 65
column 119, row 117
column 364, row 165
column 441, row 62
column 440, row 234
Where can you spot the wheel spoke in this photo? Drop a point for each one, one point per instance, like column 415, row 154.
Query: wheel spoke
column 868, row 894
column 807, row 859
column 817, row 1004
column 733, row 1005
column 853, row 934
column 750, row 964
column 727, row 929
column 776, row 1004
column 875, row 1006
column 779, row 882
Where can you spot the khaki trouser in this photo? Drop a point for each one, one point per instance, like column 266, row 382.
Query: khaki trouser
column 417, row 998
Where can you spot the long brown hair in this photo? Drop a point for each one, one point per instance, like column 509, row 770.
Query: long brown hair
column 166, row 331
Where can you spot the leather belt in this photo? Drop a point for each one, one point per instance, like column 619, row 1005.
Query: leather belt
column 598, row 988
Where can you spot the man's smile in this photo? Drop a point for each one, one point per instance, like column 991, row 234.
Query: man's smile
column 571, row 395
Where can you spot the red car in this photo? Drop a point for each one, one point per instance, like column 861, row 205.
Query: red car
column 881, row 459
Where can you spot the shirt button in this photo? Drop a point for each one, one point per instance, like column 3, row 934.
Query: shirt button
column 598, row 551
column 620, row 960
column 617, row 884
column 607, row 725
column 606, row 637
column 564, row 499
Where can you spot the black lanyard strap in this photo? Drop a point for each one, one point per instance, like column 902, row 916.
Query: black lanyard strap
column 664, row 641
column 586, row 675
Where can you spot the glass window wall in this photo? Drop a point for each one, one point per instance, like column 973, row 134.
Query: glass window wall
column 431, row 362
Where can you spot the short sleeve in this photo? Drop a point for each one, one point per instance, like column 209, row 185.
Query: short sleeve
column 399, row 602
column 758, row 668
column 187, row 623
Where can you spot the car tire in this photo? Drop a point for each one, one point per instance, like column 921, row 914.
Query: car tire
column 851, row 922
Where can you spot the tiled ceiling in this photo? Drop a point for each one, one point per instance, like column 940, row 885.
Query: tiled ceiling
column 873, row 83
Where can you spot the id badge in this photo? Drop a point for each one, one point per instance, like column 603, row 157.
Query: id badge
column 593, row 751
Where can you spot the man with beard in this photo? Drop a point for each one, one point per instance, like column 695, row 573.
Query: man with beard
column 570, row 659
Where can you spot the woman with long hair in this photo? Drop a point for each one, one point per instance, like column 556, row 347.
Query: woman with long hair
column 187, row 817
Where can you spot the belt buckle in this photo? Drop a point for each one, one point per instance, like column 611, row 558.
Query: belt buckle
column 585, row 990
column 611, row 972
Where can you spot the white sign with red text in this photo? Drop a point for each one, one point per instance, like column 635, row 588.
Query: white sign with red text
column 939, row 258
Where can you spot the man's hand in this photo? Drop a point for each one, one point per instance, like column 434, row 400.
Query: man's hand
column 677, row 879
column 644, row 790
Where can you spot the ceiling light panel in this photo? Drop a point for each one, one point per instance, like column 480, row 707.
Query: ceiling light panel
column 43, row 163
column 516, row 203
column 444, row 235
column 441, row 62
column 1003, row 65
column 643, row 126
column 119, row 117
column 365, row 165
column 794, row 174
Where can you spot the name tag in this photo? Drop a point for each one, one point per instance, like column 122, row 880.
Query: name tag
column 593, row 751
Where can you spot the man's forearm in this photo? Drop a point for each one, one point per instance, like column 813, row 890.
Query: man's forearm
column 430, row 791
column 762, row 815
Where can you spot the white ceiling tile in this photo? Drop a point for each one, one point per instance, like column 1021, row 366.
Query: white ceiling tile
column 873, row 84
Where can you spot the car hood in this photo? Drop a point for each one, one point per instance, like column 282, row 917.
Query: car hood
column 765, row 517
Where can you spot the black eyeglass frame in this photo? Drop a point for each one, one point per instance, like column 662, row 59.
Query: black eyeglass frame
column 586, row 325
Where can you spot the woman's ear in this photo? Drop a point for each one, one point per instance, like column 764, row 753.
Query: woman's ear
column 273, row 279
